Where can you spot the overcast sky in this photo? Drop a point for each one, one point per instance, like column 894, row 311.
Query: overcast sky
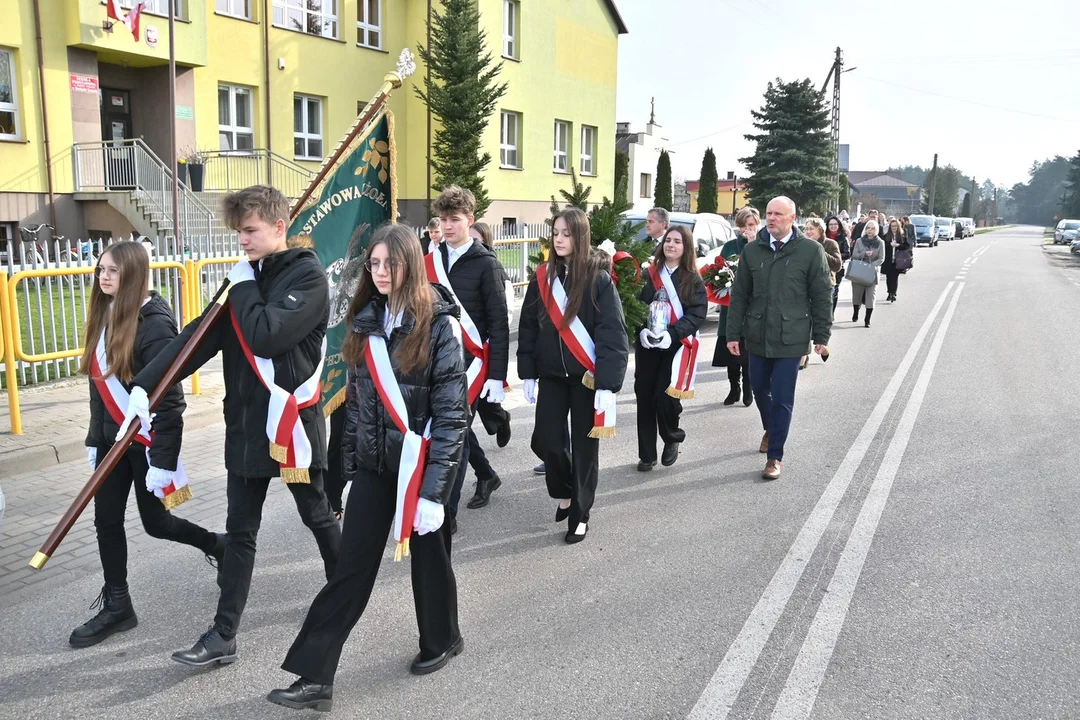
column 990, row 86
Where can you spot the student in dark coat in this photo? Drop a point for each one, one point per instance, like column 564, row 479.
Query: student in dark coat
column 126, row 328
column 415, row 325
column 554, row 377
column 657, row 407
column 747, row 222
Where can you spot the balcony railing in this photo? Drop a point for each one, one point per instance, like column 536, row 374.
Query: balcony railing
column 231, row 170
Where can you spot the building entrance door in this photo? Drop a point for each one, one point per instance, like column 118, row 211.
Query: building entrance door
column 116, row 132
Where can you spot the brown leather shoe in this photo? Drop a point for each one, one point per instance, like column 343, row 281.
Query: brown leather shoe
column 764, row 447
column 772, row 470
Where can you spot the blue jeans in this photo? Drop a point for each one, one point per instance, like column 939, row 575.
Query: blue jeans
column 773, row 383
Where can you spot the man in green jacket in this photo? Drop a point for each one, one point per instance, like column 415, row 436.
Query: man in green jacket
column 781, row 298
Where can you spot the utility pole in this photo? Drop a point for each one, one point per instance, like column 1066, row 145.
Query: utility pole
column 834, row 74
column 933, row 185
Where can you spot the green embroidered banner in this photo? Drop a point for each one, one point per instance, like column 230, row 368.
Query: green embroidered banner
column 359, row 195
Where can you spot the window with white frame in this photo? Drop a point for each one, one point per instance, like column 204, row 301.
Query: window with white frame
column 9, row 99
column 157, row 7
column 588, row 150
column 235, row 8
column 646, row 185
column 369, row 24
column 562, row 146
column 314, row 17
column 307, row 127
column 511, row 14
column 235, row 124
column 510, row 140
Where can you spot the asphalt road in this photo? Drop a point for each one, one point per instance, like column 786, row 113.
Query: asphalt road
column 916, row 560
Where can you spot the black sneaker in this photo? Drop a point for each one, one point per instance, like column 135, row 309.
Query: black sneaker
column 539, row 470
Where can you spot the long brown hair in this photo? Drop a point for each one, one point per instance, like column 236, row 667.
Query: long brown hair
column 688, row 277
column 583, row 265
column 120, row 311
column 414, row 298
column 484, row 230
column 899, row 227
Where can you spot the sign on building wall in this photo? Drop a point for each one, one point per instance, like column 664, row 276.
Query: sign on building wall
column 184, row 112
column 84, row 83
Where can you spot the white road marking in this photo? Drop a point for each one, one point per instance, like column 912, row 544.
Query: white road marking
column 799, row 694
column 968, row 260
column 727, row 682
column 959, row 277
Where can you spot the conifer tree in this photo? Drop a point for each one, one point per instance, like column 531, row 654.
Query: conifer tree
column 706, row 199
column 794, row 150
column 461, row 94
column 662, row 191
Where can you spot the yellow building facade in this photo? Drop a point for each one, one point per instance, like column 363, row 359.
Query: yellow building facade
column 258, row 100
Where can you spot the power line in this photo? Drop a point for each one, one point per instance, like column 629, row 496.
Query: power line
column 971, row 102
column 718, row 132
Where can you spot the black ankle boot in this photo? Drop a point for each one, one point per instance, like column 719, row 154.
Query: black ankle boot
column 747, row 393
column 116, row 615
column 869, row 312
column 733, row 396
column 855, row 315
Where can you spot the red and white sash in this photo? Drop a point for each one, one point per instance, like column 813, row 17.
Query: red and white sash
column 480, row 349
column 289, row 444
column 115, row 397
column 579, row 342
column 684, row 364
column 414, row 448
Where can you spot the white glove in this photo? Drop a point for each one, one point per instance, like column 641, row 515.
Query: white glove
column 529, row 388
column 91, row 458
column 138, row 407
column 646, row 339
column 604, row 401
column 429, row 517
column 241, row 272
column 493, row 391
column 157, row 480
column 665, row 341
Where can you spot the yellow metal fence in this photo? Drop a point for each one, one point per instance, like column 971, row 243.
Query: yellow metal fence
column 183, row 283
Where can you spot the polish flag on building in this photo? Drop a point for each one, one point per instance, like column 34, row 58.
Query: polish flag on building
column 131, row 20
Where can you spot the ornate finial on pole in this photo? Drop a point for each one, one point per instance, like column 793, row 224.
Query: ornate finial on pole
column 652, row 111
column 406, row 66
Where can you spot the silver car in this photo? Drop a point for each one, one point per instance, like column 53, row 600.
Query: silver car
column 1075, row 247
column 1066, row 231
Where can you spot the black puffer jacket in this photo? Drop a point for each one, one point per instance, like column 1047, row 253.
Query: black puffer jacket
column 283, row 316
column 436, row 390
column 477, row 280
column 694, row 307
column 542, row 353
column 157, row 328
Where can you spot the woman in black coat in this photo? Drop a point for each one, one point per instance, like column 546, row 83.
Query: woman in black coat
column 557, row 381
column 411, row 324
column 657, row 406
column 834, row 230
column 747, row 222
column 896, row 239
column 126, row 327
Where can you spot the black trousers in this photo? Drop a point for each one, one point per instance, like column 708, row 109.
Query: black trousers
column 478, row 459
column 735, row 371
column 493, row 416
column 110, row 503
column 656, row 410
column 335, row 477
column 569, row 473
column 369, row 516
column 246, row 497
column 892, row 278
column 463, row 468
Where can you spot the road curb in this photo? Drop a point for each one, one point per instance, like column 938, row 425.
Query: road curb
column 43, row 457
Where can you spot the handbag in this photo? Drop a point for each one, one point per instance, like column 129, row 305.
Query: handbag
column 904, row 259
column 862, row 272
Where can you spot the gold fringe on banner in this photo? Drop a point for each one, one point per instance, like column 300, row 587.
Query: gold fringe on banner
column 588, row 381
column 279, row 453
column 177, row 498
column 393, row 166
column 401, row 550
column 602, row 433
column 295, row 475
column 679, row 394
column 333, row 403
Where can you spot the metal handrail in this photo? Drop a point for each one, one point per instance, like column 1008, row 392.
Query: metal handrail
column 231, row 170
column 133, row 166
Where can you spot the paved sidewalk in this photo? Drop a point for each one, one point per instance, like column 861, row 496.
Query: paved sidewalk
column 55, row 416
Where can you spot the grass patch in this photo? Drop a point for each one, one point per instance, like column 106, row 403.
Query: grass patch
column 983, row 231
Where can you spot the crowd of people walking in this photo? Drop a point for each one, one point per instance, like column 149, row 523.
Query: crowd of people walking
column 427, row 350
